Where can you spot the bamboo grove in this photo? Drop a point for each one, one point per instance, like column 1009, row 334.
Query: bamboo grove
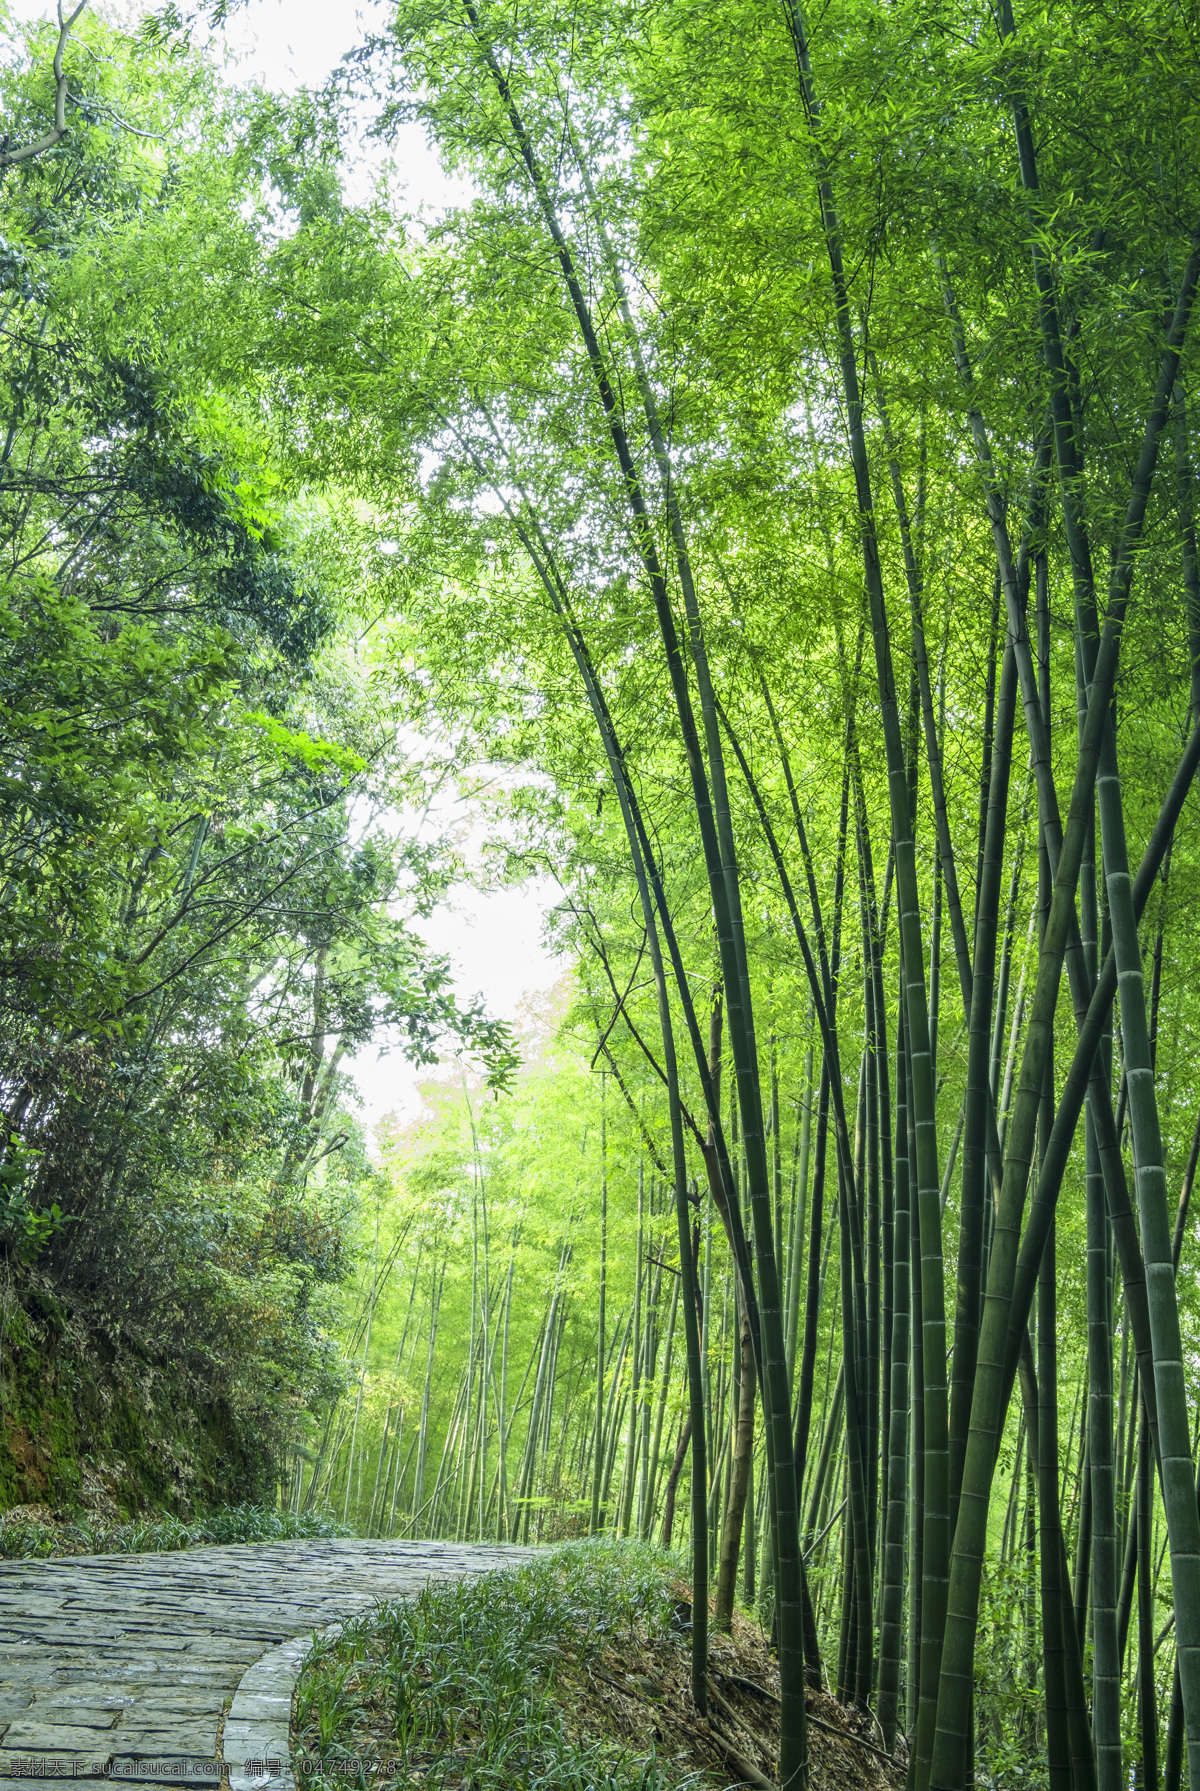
column 781, row 468
column 811, row 420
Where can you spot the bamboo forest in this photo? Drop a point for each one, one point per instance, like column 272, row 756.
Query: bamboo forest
column 743, row 505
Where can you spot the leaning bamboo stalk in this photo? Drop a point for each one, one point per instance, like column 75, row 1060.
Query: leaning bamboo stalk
column 1106, row 1669
column 548, row 1473
column 648, row 1507
column 400, row 1477
column 1147, row 1702
column 1086, row 1073
column 380, row 1458
column 649, row 1377
column 1176, row 1468
column 358, row 1400
column 739, row 1481
column 799, row 1201
column 613, row 1413
column 501, row 1394
column 449, row 1473
column 520, row 1519
column 1053, row 1640
column 830, row 1438
column 409, row 1311
column 426, row 1390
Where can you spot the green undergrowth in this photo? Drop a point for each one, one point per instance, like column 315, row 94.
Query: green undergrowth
column 454, row 1688
column 231, row 1523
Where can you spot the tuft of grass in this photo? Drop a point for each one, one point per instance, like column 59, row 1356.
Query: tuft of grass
column 453, row 1688
column 231, row 1523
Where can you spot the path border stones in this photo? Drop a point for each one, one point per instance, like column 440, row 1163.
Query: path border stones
column 256, row 1736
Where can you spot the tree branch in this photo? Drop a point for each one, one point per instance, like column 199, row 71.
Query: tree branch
column 8, row 157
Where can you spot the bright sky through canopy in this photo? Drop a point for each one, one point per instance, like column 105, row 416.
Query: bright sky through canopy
column 493, row 939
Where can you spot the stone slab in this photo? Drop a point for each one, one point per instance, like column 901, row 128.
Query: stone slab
column 71, row 1714
column 172, row 1741
column 159, row 1705
column 259, row 1706
column 77, row 1698
column 32, row 1736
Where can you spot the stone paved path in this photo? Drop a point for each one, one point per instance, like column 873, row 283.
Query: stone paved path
column 124, row 1665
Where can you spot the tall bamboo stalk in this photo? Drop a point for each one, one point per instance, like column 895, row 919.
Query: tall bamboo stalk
column 601, row 1339
column 891, row 1640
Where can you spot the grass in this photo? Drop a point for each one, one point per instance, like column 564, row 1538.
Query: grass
column 455, row 1688
column 231, row 1523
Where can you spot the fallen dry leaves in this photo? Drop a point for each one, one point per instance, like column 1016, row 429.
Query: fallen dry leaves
column 639, row 1693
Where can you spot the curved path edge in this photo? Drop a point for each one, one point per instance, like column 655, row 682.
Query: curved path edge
column 121, row 1667
column 255, row 1743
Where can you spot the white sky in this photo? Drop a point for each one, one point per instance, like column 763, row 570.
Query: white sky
column 492, row 938
column 284, row 43
column 288, row 44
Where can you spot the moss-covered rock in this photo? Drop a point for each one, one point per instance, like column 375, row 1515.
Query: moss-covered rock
column 91, row 1419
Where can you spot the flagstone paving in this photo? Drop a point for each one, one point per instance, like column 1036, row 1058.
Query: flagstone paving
column 159, row 1669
